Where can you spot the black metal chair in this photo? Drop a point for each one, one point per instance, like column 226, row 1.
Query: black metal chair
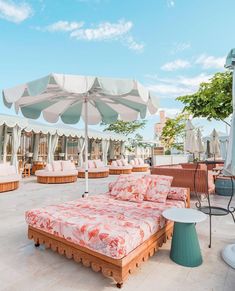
column 204, row 203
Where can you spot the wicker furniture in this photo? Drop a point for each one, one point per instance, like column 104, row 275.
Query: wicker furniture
column 119, row 167
column 58, row 173
column 26, row 170
column 56, row 179
column 120, row 170
column 188, row 176
column 119, row 269
column 9, row 179
column 139, row 165
column 96, row 169
column 94, row 173
column 37, row 166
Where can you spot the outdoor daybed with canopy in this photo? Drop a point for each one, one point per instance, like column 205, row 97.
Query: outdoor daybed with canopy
column 110, row 247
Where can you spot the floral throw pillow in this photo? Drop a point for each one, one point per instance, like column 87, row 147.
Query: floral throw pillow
column 123, row 177
column 158, row 188
column 129, row 188
column 177, row 193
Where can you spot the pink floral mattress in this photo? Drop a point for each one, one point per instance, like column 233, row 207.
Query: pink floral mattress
column 110, row 227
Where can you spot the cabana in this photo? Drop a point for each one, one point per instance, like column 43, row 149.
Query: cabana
column 11, row 138
column 26, row 141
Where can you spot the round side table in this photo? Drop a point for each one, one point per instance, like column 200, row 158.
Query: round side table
column 185, row 248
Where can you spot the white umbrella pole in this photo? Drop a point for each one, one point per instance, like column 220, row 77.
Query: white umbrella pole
column 86, row 148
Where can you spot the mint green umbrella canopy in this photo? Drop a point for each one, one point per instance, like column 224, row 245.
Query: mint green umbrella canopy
column 62, row 96
column 70, row 97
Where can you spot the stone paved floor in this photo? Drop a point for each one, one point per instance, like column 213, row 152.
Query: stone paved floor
column 24, row 267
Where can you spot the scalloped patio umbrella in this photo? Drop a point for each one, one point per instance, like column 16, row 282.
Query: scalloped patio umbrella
column 228, row 252
column 200, row 148
column 214, row 144
column 70, row 97
column 190, row 144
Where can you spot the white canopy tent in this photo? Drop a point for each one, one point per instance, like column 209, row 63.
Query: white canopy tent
column 8, row 122
column 17, row 124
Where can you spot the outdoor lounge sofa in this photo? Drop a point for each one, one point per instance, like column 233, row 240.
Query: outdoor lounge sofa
column 105, row 232
column 58, row 173
column 9, row 179
column 186, row 175
column 119, row 167
column 96, row 169
column 139, row 165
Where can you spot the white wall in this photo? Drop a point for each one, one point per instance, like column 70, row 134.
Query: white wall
column 169, row 159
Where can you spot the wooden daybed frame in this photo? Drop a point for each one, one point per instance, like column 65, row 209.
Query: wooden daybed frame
column 119, row 171
column 56, row 179
column 118, row 269
column 94, row 175
column 140, row 169
column 9, row 186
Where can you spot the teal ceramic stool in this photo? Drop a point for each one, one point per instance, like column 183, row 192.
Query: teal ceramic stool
column 185, row 248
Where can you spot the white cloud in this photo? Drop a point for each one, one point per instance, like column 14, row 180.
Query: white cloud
column 64, row 26
column 175, row 65
column 180, row 47
column 210, row 62
column 104, row 31
column 174, row 87
column 170, row 3
column 110, row 31
column 132, row 44
column 15, row 12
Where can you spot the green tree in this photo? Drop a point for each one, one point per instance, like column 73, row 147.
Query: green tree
column 136, row 141
column 213, row 100
column 173, row 132
column 125, row 127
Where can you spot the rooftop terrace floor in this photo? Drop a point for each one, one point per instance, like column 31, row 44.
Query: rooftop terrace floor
column 24, row 267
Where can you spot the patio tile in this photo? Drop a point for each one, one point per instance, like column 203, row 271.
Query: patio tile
column 25, row 268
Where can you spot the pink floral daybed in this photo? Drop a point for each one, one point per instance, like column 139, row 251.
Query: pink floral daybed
column 112, row 233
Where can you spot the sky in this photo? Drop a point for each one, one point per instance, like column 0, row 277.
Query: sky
column 168, row 45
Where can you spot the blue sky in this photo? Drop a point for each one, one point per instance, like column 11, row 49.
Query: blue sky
column 169, row 45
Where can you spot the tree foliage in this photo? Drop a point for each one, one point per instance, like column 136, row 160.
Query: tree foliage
column 125, row 127
column 173, row 132
column 212, row 100
column 136, row 141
